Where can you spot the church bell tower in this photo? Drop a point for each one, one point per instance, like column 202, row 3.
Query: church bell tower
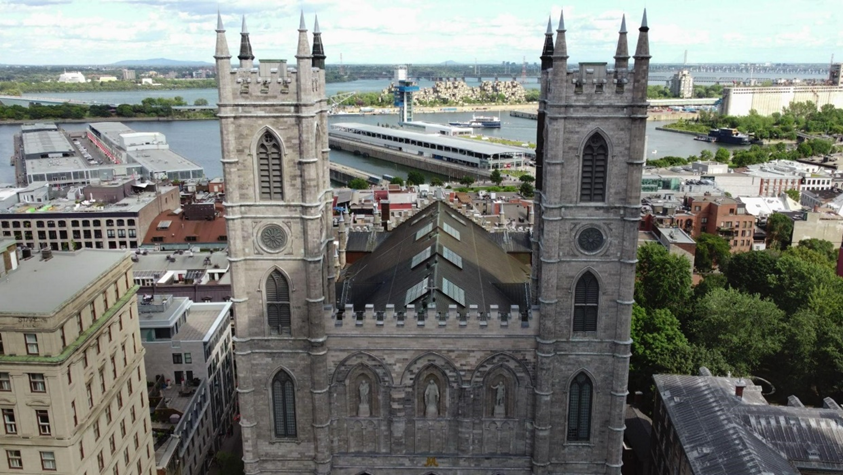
column 592, row 123
column 273, row 124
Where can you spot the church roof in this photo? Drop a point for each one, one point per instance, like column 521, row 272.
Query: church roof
column 438, row 257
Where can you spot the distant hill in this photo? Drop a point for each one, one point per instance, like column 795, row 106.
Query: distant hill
column 161, row 62
column 450, row 63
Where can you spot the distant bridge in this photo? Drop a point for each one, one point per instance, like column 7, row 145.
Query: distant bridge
column 44, row 101
column 708, row 101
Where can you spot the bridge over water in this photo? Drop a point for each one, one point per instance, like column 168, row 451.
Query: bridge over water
column 44, row 101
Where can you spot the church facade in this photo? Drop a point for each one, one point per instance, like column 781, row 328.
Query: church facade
column 437, row 353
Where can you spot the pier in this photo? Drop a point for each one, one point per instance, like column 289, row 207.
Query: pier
column 432, row 165
column 343, row 174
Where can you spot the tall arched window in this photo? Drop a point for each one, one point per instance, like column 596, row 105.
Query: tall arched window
column 579, row 408
column 278, row 303
column 585, row 303
column 284, row 405
column 269, row 167
column 595, row 157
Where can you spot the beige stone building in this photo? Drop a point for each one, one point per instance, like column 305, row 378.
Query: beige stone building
column 437, row 353
column 72, row 381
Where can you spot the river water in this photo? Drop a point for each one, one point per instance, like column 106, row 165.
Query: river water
column 199, row 141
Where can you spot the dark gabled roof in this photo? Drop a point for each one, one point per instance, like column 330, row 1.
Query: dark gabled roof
column 437, row 256
column 724, row 434
column 637, row 432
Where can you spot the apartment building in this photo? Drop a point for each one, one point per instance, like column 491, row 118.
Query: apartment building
column 724, row 217
column 113, row 215
column 72, row 380
column 189, row 359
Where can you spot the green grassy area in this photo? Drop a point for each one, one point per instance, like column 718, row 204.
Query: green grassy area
column 497, row 140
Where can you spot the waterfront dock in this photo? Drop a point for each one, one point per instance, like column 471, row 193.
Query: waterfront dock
column 432, row 165
column 343, row 174
column 524, row 115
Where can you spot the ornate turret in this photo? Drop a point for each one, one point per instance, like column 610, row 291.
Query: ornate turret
column 304, row 62
column 560, row 57
column 547, row 51
column 622, row 53
column 245, row 55
column 318, row 50
column 642, row 60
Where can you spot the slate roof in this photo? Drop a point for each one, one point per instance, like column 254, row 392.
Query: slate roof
column 441, row 257
column 724, row 434
column 364, row 241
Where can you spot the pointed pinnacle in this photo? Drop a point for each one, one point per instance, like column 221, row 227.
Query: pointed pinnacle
column 243, row 28
column 302, row 26
column 220, row 26
column 316, row 25
column 644, row 20
column 623, row 24
column 561, row 21
column 549, row 27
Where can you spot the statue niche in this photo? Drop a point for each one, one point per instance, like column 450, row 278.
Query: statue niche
column 362, row 395
column 431, row 394
column 500, row 396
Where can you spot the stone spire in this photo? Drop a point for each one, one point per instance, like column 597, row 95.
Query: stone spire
column 318, row 49
column 622, row 52
column 303, row 50
column 221, row 52
column 642, row 50
column 561, row 49
column 547, row 51
column 245, row 55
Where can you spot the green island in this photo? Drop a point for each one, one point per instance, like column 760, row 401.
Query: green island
column 151, row 107
column 17, row 88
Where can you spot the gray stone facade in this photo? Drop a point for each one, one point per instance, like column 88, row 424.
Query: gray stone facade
column 362, row 399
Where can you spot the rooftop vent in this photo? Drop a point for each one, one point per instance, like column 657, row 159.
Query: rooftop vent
column 46, row 254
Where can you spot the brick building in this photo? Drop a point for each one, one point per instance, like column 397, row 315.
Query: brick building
column 723, row 217
column 436, row 353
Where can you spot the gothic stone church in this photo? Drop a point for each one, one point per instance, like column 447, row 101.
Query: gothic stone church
column 437, row 353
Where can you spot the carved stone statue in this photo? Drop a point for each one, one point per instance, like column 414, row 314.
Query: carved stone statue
column 500, row 399
column 431, row 399
column 363, row 406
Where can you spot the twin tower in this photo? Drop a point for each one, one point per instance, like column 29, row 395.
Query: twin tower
column 320, row 395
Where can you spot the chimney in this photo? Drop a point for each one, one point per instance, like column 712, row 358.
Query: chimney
column 46, row 254
column 739, row 387
column 637, row 399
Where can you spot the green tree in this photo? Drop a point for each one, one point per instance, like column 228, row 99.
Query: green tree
column 229, row 463
column 709, row 283
column 658, row 346
column 527, row 178
column 706, row 155
column 712, row 250
column 497, row 177
column 397, row 180
column 467, row 180
column 415, row 177
column 526, row 190
column 799, row 284
column 793, row 194
column 125, row 110
column 750, row 272
column 722, row 155
column 779, row 231
column 200, row 102
column 436, row 181
column 826, row 248
column 358, row 184
column 662, row 279
column 744, row 328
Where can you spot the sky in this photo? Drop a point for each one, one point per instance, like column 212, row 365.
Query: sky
column 67, row 32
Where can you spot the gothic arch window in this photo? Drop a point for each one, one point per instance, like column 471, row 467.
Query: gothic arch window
column 585, row 303
column 269, row 167
column 278, row 303
column 579, row 409
column 595, row 157
column 284, row 404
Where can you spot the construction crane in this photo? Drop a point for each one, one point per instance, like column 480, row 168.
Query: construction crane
column 338, row 99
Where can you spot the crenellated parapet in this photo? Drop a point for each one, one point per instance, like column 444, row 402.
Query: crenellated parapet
column 271, row 81
column 472, row 318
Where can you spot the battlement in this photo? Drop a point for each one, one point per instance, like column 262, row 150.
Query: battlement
column 271, row 81
column 595, row 83
column 409, row 317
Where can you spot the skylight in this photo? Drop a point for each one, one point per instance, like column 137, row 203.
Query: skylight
column 451, row 290
column 415, row 292
column 450, row 230
column 452, row 256
column 456, row 218
column 423, row 231
column 421, row 257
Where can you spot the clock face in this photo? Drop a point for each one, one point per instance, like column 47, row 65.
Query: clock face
column 273, row 238
column 590, row 240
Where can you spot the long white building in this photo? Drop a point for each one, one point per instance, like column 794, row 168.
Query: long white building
column 767, row 100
